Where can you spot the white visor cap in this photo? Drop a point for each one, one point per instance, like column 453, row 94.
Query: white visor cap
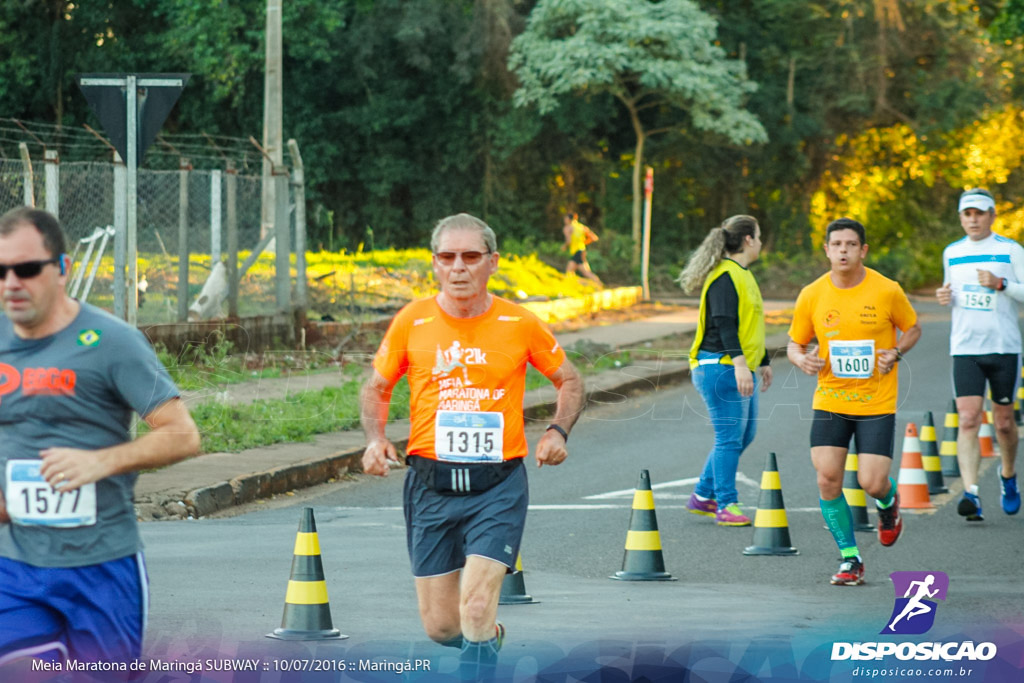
column 977, row 201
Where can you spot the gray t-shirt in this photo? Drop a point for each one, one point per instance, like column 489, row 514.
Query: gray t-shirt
column 76, row 389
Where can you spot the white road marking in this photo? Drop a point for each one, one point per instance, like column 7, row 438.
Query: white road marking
column 678, row 483
column 580, row 506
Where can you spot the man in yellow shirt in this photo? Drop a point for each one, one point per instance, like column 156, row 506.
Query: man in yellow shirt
column 577, row 237
column 854, row 312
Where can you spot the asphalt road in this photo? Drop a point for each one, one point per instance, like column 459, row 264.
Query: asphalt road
column 218, row 584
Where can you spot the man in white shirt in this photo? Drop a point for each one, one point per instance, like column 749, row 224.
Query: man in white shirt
column 983, row 280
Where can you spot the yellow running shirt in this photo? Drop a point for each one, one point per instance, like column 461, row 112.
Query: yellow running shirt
column 852, row 326
column 578, row 238
column 467, row 377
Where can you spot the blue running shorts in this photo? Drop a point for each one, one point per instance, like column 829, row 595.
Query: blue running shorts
column 441, row 531
column 94, row 613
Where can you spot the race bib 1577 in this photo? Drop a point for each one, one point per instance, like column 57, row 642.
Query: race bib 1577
column 32, row 501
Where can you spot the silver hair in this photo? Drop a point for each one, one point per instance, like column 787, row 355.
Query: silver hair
column 463, row 221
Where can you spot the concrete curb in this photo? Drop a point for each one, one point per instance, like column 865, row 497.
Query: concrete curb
column 247, row 488
column 206, row 500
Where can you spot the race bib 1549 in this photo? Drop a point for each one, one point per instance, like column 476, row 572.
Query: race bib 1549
column 976, row 298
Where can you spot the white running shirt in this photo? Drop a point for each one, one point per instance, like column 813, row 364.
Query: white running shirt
column 984, row 320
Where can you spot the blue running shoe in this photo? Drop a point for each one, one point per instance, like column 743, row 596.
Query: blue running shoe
column 970, row 507
column 1011, row 496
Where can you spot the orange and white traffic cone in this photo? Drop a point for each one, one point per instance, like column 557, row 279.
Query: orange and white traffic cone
column 985, row 437
column 912, row 485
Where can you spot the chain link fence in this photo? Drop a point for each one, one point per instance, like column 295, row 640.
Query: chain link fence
column 85, row 203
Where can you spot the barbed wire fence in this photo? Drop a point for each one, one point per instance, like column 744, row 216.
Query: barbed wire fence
column 194, row 188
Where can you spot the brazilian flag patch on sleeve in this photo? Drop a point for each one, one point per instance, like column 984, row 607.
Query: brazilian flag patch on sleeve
column 89, row 337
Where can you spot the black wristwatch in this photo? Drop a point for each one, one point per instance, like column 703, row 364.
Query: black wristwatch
column 565, row 434
column 1003, row 283
column 899, row 354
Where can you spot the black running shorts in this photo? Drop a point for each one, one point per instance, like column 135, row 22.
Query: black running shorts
column 441, row 531
column 875, row 434
column 1001, row 370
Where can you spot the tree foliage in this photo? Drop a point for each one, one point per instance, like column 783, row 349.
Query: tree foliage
column 409, row 110
column 649, row 56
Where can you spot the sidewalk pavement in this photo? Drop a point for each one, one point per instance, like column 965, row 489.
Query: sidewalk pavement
column 217, row 481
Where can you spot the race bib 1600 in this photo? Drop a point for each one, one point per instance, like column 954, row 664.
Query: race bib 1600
column 852, row 359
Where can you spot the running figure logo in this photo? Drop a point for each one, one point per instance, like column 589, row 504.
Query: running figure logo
column 446, row 361
column 914, row 612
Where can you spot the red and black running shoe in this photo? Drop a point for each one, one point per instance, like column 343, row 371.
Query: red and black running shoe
column 851, row 573
column 890, row 523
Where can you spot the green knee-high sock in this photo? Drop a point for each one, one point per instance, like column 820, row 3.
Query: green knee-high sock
column 840, row 522
column 889, row 497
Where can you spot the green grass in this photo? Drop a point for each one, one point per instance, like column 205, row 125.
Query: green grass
column 231, row 428
column 202, row 367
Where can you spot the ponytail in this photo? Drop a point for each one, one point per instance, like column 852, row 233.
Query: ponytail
column 703, row 261
column 728, row 238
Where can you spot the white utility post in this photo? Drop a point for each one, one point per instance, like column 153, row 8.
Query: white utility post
column 52, row 167
column 273, row 143
column 215, row 214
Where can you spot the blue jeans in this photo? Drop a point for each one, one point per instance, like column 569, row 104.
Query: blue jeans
column 734, row 419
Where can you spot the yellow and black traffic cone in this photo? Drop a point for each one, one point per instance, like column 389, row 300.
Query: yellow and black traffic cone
column 643, row 560
column 948, row 451
column 854, row 494
column 930, row 457
column 771, row 529
column 307, row 614
column 1020, row 399
column 513, row 588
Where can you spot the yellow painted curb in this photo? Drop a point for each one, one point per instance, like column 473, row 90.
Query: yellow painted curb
column 566, row 309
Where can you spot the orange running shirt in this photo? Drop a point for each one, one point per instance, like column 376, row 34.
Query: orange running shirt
column 852, row 326
column 467, row 377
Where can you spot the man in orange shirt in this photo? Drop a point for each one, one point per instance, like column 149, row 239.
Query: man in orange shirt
column 854, row 313
column 465, row 352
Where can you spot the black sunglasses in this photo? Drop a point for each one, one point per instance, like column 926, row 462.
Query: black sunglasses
column 27, row 269
column 470, row 258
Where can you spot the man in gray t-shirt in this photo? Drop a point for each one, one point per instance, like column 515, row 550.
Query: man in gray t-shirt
column 71, row 573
